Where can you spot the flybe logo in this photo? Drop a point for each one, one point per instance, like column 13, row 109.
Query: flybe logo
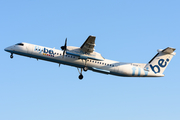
column 45, row 51
column 161, row 64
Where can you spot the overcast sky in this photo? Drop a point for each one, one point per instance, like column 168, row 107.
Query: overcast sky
column 126, row 31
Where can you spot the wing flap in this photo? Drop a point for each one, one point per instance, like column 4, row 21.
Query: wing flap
column 84, row 57
column 100, row 70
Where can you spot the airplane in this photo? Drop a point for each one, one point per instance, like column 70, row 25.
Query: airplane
column 85, row 58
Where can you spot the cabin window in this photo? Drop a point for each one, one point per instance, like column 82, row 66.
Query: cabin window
column 112, row 65
column 57, row 53
column 105, row 63
column 102, row 63
column 21, row 44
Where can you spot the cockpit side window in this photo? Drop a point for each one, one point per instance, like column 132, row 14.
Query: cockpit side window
column 21, row 44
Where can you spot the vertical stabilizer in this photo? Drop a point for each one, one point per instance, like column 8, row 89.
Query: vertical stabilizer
column 161, row 60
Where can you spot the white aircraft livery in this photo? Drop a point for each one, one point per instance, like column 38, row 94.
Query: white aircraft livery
column 85, row 58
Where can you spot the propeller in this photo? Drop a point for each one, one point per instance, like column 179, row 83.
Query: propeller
column 64, row 47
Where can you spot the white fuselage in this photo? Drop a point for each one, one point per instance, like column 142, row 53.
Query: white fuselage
column 105, row 66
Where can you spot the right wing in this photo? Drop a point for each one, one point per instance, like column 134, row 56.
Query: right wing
column 88, row 46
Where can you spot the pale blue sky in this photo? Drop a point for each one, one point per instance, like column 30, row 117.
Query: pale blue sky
column 127, row 31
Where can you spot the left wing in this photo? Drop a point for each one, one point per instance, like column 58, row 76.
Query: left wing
column 88, row 46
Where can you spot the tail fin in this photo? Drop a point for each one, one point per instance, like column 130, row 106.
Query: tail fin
column 161, row 60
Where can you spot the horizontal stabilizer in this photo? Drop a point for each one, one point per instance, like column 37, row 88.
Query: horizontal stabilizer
column 168, row 50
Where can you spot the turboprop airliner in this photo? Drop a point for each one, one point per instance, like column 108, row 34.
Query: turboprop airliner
column 85, row 58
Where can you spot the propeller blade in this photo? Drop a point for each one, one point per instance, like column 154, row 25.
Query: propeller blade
column 65, row 44
column 63, row 53
column 64, row 47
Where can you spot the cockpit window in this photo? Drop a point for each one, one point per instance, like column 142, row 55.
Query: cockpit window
column 20, row 44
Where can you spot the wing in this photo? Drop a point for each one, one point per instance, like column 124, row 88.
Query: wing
column 88, row 46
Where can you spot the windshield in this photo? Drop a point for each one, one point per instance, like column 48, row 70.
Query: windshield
column 20, row 44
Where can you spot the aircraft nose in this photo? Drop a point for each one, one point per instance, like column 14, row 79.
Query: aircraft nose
column 7, row 49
